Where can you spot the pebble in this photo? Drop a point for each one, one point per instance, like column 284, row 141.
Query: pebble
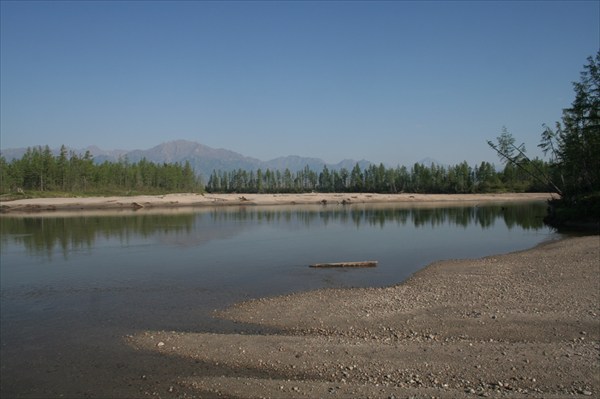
column 160, row 344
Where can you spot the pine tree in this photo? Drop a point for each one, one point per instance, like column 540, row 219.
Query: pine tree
column 579, row 145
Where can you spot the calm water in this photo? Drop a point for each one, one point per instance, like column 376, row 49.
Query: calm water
column 69, row 282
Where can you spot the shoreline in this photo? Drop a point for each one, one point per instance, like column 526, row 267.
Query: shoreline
column 514, row 324
column 187, row 200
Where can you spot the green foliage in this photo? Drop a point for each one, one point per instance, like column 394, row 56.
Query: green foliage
column 457, row 179
column 507, row 147
column 575, row 144
column 574, row 150
column 576, row 212
column 518, row 167
column 39, row 173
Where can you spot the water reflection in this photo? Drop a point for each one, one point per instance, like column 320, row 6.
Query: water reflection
column 49, row 235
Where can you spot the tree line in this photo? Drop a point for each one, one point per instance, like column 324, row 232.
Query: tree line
column 40, row 170
column 457, row 179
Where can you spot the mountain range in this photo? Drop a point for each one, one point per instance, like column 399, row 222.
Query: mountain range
column 202, row 158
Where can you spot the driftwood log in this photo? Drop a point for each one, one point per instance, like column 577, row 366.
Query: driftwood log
column 368, row 263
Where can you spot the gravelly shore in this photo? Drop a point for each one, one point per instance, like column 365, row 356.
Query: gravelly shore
column 146, row 203
column 521, row 324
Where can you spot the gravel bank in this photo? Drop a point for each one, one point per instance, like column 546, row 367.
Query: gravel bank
column 521, row 324
column 144, row 203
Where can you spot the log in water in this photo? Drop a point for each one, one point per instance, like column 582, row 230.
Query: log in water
column 368, row 263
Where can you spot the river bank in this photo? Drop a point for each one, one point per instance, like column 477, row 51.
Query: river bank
column 520, row 324
column 147, row 202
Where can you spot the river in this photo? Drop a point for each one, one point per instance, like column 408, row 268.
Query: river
column 73, row 285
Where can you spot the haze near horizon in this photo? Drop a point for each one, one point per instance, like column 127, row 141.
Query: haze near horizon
column 391, row 82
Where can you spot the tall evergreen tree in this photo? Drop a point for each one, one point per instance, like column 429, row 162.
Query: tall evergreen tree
column 579, row 144
column 574, row 144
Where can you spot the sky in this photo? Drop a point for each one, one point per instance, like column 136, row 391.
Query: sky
column 389, row 81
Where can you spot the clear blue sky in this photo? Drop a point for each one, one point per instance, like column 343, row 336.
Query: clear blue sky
column 390, row 82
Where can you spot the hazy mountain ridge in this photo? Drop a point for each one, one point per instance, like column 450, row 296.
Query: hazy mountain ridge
column 202, row 158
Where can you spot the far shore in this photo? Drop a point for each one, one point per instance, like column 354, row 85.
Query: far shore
column 145, row 202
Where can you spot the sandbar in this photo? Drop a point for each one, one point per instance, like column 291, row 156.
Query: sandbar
column 147, row 202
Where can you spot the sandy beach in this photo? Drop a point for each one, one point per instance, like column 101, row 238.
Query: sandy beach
column 146, row 202
column 520, row 324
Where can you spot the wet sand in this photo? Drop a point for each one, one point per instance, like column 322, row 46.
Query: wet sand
column 520, row 324
column 147, row 202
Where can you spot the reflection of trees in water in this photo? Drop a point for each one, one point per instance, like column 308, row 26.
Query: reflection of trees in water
column 525, row 215
column 46, row 235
